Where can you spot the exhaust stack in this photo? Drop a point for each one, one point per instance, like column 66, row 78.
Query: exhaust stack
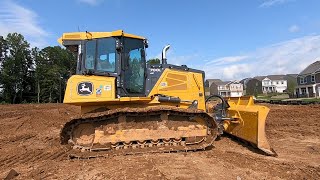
column 164, row 50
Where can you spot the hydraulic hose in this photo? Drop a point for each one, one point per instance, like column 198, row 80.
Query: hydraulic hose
column 224, row 103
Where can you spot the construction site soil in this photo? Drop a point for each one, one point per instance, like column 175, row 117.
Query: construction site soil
column 29, row 144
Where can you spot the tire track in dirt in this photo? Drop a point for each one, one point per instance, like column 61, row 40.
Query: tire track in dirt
column 31, row 157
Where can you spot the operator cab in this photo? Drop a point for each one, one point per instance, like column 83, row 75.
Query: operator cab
column 115, row 54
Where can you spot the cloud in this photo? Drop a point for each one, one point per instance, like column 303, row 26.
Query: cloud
column 294, row 28
column 269, row 3
column 15, row 18
column 91, row 2
column 286, row 57
column 226, row 60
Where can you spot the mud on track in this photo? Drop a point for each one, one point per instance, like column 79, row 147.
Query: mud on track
column 29, row 143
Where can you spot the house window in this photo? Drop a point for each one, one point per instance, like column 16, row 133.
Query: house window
column 277, row 82
column 282, row 82
column 313, row 78
column 303, row 80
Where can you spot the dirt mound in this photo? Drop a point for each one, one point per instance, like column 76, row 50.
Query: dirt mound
column 29, row 144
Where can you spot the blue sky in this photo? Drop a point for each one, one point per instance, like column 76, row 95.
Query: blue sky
column 228, row 39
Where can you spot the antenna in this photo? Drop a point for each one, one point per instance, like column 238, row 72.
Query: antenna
column 78, row 28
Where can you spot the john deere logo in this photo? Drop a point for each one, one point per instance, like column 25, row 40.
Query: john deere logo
column 85, row 88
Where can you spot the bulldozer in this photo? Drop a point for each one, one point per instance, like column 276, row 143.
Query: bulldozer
column 130, row 106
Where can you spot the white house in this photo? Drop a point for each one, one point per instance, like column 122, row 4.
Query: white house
column 274, row 83
column 236, row 89
column 223, row 89
column 227, row 88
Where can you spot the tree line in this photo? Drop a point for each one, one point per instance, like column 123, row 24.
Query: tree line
column 29, row 74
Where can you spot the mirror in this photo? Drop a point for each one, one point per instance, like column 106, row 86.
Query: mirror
column 146, row 43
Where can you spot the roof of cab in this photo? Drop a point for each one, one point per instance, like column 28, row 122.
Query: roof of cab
column 74, row 36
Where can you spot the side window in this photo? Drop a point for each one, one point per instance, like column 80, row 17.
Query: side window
column 301, row 80
column 313, row 78
column 134, row 60
column 90, row 54
column 106, row 59
column 136, row 66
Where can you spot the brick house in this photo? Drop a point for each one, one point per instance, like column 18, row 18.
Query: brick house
column 309, row 81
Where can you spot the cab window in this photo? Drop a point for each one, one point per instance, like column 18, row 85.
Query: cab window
column 101, row 55
column 90, row 54
column 135, row 60
column 106, row 59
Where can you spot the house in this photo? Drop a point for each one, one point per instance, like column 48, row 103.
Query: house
column 236, row 89
column 220, row 88
column 208, row 82
column 274, row 84
column 309, row 81
column 252, row 86
column 227, row 88
column 244, row 82
column 207, row 85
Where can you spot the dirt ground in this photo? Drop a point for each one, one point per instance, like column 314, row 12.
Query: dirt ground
column 29, row 144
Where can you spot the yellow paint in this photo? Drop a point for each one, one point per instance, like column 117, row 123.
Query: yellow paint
column 105, row 84
column 188, row 86
column 77, row 36
column 183, row 84
column 251, row 122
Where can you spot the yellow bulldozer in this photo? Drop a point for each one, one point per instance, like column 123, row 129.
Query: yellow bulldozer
column 129, row 106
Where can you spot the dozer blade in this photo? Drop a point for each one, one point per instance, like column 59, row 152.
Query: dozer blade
column 248, row 122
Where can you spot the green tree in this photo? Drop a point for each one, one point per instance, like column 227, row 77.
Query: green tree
column 153, row 61
column 16, row 63
column 3, row 49
column 291, row 86
column 3, row 53
column 54, row 66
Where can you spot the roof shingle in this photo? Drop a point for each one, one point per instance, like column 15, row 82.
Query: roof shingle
column 312, row 68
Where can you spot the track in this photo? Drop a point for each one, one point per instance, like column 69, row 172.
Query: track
column 138, row 131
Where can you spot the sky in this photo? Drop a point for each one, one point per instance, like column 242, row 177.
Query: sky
column 228, row 39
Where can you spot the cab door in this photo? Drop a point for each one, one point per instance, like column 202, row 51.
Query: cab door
column 135, row 65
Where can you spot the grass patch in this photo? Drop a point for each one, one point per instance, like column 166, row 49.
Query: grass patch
column 310, row 100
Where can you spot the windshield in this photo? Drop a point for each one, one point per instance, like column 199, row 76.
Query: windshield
column 101, row 55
